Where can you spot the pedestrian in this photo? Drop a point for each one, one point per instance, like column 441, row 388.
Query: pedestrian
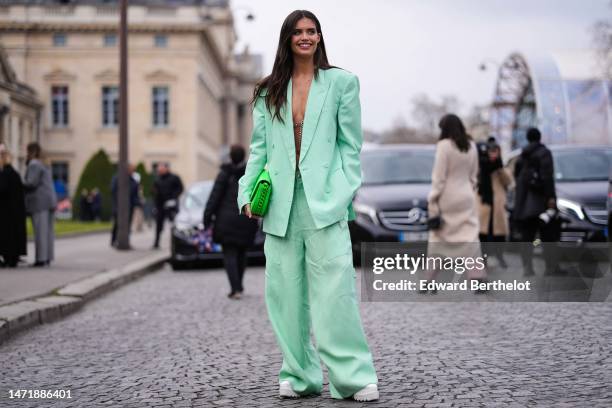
column 453, row 197
column 307, row 129
column 139, row 218
column 96, row 204
column 85, row 206
column 535, row 193
column 493, row 183
column 40, row 202
column 13, row 242
column 234, row 231
column 167, row 189
column 60, row 189
column 133, row 202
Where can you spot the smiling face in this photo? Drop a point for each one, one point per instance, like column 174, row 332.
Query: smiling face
column 305, row 38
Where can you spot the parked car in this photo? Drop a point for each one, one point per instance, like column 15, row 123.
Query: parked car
column 191, row 244
column 610, row 207
column 391, row 204
column 582, row 186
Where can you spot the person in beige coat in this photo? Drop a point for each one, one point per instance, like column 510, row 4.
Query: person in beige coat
column 494, row 181
column 453, row 196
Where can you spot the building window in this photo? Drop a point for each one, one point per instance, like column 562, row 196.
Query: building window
column 59, row 106
column 161, row 41
column 110, row 40
column 110, row 106
column 59, row 40
column 160, row 106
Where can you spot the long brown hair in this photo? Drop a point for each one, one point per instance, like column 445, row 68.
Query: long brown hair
column 276, row 83
column 452, row 128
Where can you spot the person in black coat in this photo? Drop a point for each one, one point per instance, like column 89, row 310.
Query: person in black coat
column 12, row 213
column 166, row 189
column 234, row 231
column 535, row 193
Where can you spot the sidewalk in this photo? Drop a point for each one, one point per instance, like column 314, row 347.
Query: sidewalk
column 84, row 267
column 75, row 258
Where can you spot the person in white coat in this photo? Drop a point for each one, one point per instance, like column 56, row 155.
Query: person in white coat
column 453, row 196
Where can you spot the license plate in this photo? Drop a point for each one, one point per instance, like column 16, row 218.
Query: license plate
column 413, row 236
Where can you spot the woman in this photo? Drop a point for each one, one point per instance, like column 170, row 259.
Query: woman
column 12, row 213
column 40, row 202
column 307, row 129
column 233, row 230
column 493, row 185
column 453, row 196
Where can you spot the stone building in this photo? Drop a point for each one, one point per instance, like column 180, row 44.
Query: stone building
column 19, row 113
column 188, row 92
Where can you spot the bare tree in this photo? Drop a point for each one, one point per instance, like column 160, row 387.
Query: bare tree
column 602, row 38
column 477, row 122
column 370, row 136
column 427, row 112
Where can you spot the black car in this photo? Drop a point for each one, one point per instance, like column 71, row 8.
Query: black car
column 391, row 204
column 191, row 244
column 582, row 182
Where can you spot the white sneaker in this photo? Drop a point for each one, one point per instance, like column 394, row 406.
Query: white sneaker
column 286, row 391
column 367, row 393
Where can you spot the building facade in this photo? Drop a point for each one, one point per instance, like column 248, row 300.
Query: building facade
column 19, row 113
column 188, row 93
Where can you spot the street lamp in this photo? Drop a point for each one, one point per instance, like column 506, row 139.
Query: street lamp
column 488, row 61
column 249, row 16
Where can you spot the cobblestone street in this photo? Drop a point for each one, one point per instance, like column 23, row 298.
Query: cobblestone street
column 175, row 340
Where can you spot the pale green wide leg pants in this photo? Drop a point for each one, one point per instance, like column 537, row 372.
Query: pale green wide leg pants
column 310, row 276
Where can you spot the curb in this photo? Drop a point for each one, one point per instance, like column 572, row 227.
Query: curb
column 47, row 308
column 76, row 234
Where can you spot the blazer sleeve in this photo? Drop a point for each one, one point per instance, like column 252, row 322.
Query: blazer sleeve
column 257, row 154
column 438, row 179
column 350, row 136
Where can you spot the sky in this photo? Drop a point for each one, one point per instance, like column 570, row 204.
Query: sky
column 402, row 48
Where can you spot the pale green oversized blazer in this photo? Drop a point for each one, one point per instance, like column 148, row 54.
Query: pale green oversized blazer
column 329, row 157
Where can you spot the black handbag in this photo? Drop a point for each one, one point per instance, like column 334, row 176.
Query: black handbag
column 435, row 223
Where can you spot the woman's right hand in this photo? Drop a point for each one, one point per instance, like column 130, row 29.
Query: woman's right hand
column 247, row 211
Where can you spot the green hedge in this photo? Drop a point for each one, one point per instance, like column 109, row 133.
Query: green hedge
column 98, row 172
column 146, row 179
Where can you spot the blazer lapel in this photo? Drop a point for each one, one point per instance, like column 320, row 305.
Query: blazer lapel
column 286, row 128
column 316, row 99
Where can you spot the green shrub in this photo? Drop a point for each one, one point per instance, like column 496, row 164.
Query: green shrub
column 98, row 173
column 146, row 179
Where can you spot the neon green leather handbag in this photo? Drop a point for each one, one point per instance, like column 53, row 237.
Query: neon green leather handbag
column 260, row 197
